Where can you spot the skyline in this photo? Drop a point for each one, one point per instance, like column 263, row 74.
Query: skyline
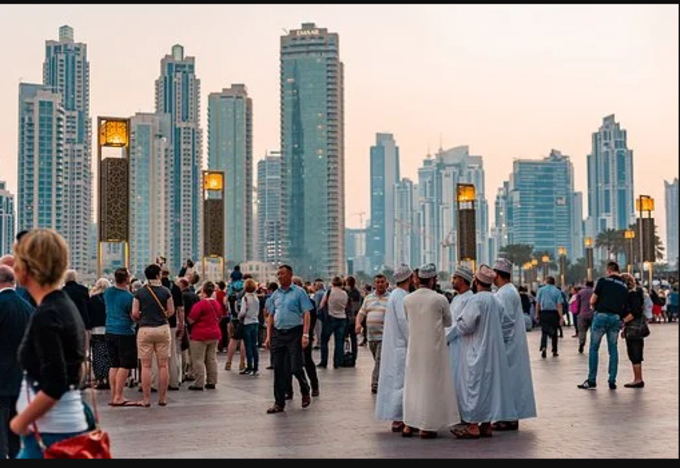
column 520, row 96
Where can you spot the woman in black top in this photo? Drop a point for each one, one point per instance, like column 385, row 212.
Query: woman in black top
column 53, row 349
column 634, row 344
column 99, row 352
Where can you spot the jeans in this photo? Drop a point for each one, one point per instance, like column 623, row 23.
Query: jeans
column 9, row 442
column 30, row 450
column 250, row 333
column 609, row 324
column 286, row 347
column 335, row 327
column 350, row 331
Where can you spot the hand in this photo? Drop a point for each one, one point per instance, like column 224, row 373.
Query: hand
column 561, row 321
column 305, row 341
column 16, row 426
column 180, row 333
column 267, row 343
column 357, row 329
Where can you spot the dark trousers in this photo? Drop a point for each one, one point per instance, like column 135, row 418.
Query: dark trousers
column 550, row 321
column 335, row 327
column 351, row 332
column 286, row 347
column 9, row 442
column 224, row 329
column 307, row 362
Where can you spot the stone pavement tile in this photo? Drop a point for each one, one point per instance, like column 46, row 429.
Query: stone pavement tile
column 231, row 421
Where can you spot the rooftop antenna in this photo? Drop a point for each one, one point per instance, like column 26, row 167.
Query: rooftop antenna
column 441, row 147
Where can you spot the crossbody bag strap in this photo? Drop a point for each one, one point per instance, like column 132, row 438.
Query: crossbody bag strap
column 165, row 313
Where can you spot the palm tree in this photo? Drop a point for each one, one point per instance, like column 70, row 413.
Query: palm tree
column 612, row 240
column 518, row 254
column 552, row 264
column 658, row 245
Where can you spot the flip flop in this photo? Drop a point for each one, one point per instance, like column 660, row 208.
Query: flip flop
column 126, row 403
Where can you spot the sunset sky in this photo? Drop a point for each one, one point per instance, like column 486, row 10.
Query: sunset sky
column 510, row 81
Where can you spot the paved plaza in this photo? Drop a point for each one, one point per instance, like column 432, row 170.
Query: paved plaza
column 231, row 421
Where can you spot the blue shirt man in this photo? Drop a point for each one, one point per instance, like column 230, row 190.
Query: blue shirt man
column 549, row 312
column 549, row 297
column 288, row 307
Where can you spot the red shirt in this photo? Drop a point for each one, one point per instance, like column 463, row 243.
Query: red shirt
column 205, row 317
column 219, row 296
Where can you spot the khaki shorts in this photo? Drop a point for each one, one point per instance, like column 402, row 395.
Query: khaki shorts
column 154, row 340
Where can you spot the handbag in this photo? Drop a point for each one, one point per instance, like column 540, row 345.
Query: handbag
column 637, row 329
column 93, row 445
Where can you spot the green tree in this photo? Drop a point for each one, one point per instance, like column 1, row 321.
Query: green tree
column 552, row 264
column 518, row 254
column 612, row 240
column 658, row 245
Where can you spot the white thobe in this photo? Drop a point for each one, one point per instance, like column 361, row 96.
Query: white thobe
column 453, row 340
column 521, row 386
column 429, row 395
column 483, row 372
column 390, row 401
column 515, row 337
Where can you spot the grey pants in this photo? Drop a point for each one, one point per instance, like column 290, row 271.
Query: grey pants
column 375, row 347
column 584, row 323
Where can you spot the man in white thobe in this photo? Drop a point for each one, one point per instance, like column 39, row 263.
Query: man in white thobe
column 484, row 366
column 428, row 385
column 515, row 337
column 390, row 400
column 462, row 280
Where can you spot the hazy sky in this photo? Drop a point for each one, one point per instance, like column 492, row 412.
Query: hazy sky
column 510, row 81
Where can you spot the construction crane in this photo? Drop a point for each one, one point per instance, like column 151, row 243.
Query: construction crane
column 361, row 215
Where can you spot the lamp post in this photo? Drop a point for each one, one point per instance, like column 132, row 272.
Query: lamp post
column 213, row 216
column 467, row 228
column 534, row 270
column 545, row 259
column 645, row 227
column 589, row 257
column 629, row 235
column 563, row 264
column 527, row 272
column 114, row 185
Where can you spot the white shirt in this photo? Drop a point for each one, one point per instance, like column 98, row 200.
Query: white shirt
column 67, row 416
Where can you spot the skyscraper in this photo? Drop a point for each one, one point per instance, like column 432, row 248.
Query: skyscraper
column 438, row 213
column 178, row 94
column 406, row 234
column 384, row 176
column 542, row 196
column 312, row 148
column 269, row 208
column 502, row 227
column 152, row 196
column 671, row 192
column 610, row 180
column 6, row 220
column 41, row 159
column 66, row 71
column 230, row 149
column 577, row 249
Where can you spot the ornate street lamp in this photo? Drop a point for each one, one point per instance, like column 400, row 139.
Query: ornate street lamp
column 545, row 259
column 467, row 227
column 629, row 235
column 213, row 219
column 114, row 186
column 589, row 257
column 534, row 270
column 645, row 227
column 563, row 263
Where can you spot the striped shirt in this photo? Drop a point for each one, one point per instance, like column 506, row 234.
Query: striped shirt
column 373, row 309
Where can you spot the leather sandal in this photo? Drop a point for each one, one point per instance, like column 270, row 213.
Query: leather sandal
column 397, row 426
column 505, row 426
column 428, row 434
column 408, row 431
column 464, row 433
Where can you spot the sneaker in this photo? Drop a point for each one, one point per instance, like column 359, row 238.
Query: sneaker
column 612, row 385
column 173, row 389
column 210, row 386
column 544, row 353
column 196, row 389
column 580, row 349
column 254, row 373
column 587, row 385
column 245, row 371
column 315, row 392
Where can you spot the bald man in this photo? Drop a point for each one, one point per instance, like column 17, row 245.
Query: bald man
column 8, row 260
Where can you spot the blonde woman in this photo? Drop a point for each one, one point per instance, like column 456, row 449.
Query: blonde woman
column 100, row 353
column 249, row 316
column 53, row 349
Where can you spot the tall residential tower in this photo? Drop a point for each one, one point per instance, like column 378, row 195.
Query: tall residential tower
column 312, row 149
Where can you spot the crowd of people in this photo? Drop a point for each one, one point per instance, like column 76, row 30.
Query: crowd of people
column 458, row 362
